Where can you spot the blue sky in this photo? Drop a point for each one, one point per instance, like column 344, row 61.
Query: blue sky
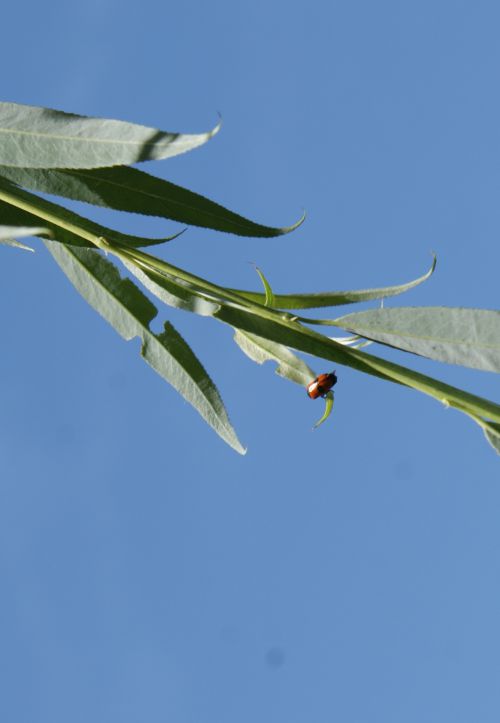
column 351, row 574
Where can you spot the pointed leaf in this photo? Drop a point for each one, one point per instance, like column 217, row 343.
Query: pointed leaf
column 335, row 298
column 469, row 337
column 126, row 308
column 33, row 137
column 127, row 189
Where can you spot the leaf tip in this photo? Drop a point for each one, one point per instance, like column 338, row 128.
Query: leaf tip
column 175, row 235
column 434, row 262
column 217, row 127
column 288, row 229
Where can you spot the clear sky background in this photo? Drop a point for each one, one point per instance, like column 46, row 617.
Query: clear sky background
column 351, row 574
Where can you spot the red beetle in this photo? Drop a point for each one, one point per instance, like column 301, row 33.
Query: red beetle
column 320, row 386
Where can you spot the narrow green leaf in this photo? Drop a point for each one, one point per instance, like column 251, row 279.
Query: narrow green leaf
column 328, row 409
column 469, row 337
column 269, row 296
column 21, row 208
column 260, row 350
column 33, row 137
column 126, row 308
column 335, row 298
column 127, row 189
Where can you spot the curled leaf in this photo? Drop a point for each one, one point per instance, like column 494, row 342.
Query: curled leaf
column 328, row 409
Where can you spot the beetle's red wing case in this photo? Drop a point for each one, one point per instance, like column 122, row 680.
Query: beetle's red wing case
column 321, row 385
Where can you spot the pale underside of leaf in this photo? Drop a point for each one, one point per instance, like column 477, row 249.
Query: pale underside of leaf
column 126, row 308
column 468, row 337
column 260, row 350
column 33, row 137
column 128, row 189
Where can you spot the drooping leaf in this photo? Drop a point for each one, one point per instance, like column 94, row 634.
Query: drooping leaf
column 126, row 308
column 469, row 337
column 328, row 409
column 21, row 208
column 260, row 350
column 335, row 298
column 33, row 137
column 127, row 189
